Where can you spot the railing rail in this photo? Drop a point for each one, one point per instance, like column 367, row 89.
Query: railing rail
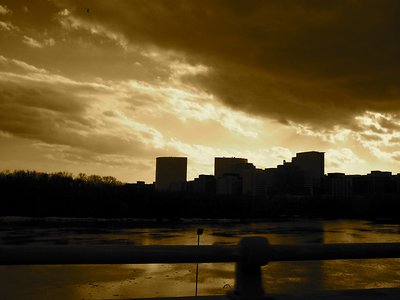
column 125, row 254
column 335, row 251
column 249, row 255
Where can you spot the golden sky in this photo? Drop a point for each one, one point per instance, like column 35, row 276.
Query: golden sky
column 104, row 87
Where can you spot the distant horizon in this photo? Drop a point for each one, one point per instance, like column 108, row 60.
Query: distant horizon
column 191, row 175
column 190, row 178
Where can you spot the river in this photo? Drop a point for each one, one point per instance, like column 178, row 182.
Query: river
column 159, row 280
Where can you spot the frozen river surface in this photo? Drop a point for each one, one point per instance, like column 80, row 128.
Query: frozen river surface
column 124, row 281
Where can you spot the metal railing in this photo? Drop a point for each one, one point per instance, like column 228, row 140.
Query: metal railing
column 249, row 255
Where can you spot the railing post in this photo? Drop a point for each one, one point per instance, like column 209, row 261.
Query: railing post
column 254, row 253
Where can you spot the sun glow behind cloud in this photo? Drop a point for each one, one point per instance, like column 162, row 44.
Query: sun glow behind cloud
column 97, row 93
column 114, row 110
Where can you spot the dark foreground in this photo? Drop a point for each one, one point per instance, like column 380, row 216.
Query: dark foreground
column 126, row 281
column 367, row 294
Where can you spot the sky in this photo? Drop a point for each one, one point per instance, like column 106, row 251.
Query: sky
column 106, row 86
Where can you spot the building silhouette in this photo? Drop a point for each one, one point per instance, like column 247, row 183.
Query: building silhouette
column 253, row 179
column 286, row 178
column 338, row 185
column 204, row 184
column 375, row 183
column 227, row 165
column 303, row 176
column 312, row 164
column 171, row 173
column 227, row 172
column 229, row 184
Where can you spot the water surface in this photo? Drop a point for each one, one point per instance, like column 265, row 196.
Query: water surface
column 156, row 280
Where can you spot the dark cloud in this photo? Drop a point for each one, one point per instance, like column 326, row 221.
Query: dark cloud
column 315, row 62
column 57, row 114
column 392, row 125
column 38, row 16
column 378, row 123
column 74, row 51
column 40, row 96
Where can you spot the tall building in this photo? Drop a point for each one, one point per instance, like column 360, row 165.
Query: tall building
column 171, row 173
column 286, row 179
column 303, row 175
column 227, row 165
column 312, row 164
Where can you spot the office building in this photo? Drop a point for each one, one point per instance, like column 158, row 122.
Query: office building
column 204, row 184
column 312, row 164
column 338, row 185
column 171, row 173
column 227, row 165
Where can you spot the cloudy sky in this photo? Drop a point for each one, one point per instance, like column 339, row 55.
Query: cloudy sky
column 104, row 87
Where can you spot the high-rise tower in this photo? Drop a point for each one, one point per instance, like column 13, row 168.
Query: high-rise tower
column 171, row 173
column 312, row 163
column 227, row 165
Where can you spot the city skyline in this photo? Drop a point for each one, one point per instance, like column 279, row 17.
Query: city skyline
column 103, row 87
column 169, row 163
column 303, row 176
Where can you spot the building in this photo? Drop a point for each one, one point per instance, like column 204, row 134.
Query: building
column 227, row 165
column 229, row 184
column 247, row 172
column 312, row 163
column 204, row 184
column 338, row 185
column 302, row 176
column 171, row 173
column 382, row 182
column 253, row 179
column 260, row 183
column 286, row 179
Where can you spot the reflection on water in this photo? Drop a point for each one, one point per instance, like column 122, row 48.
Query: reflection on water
column 123, row 281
